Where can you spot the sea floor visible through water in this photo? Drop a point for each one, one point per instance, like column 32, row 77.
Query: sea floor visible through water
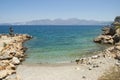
column 58, row 43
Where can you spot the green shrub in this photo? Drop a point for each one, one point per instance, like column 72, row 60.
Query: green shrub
column 117, row 27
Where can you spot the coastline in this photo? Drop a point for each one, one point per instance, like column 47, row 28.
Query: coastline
column 85, row 68
column 11, row 54
column 70, row 71
column 95, row 65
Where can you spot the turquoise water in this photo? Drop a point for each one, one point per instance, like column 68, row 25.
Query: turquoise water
column 57, row 44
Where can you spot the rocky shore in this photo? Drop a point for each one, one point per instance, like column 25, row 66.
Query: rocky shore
column 111, row 33
column 87, row 68
column 11, row 54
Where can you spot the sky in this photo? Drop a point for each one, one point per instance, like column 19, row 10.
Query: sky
column 26, row 10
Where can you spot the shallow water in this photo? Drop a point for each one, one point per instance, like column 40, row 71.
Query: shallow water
column 58, row 44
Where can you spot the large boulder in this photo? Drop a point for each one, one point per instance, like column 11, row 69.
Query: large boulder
column 3, row 74
column 116, row 38
column 105, row 39
column 107, row 30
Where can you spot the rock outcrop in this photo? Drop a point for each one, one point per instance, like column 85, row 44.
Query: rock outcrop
column 111, row 34
column 11, row 55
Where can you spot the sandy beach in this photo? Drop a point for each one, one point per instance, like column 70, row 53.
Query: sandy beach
column 12, row 55
column 71, row 71
column 88, row 68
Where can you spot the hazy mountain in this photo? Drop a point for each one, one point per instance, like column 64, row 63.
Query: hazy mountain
column 71, row 21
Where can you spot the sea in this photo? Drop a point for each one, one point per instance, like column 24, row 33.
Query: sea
column 58, row 43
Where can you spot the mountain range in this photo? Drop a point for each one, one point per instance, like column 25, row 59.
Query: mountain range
column 71, row 21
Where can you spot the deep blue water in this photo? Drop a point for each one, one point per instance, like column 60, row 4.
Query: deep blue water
column 51, row 44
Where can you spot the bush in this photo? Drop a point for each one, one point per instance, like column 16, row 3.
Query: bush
column 117, row 27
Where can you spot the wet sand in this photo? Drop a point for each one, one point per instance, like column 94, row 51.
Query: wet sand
column 71, row 71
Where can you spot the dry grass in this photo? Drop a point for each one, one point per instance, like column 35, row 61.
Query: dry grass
column 112, row 74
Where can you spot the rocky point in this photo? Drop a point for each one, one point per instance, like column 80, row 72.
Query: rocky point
column 11, row 54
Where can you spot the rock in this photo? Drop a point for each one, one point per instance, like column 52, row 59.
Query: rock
column 118, row 31
column 11, row 67
column 95, row 65
column 22, row 59
column 116, row 38
column 9, row 72
column 82, row 60
column 77, row 61
column 11, row 55
column 77, row 68
column 107, row 30
column 111, row 33
column 5, row 57
column 19, row 54
column 117, row 56
column 90, row 68
column 117, row 48
column 15, row 60
column 11, row 77
column 106, row 39
column 95, row 57
column 97, row 40
column 83, row 77
column 3, row 74
column 117, row 64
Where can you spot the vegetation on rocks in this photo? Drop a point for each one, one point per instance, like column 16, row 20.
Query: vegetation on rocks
column 111, row 33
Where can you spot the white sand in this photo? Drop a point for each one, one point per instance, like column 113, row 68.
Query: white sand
column 64, row 71
column 70, row 71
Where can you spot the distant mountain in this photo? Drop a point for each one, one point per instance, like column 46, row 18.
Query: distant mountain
column 71, row 21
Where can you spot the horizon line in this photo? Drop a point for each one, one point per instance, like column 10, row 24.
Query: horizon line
column 56, row 19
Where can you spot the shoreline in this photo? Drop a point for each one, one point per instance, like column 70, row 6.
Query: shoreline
column 11, row 54
column 70, row 71
column 89, row 67
column 49, row 64
column 83, row 55
column 95, row 64
column 79, row 70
